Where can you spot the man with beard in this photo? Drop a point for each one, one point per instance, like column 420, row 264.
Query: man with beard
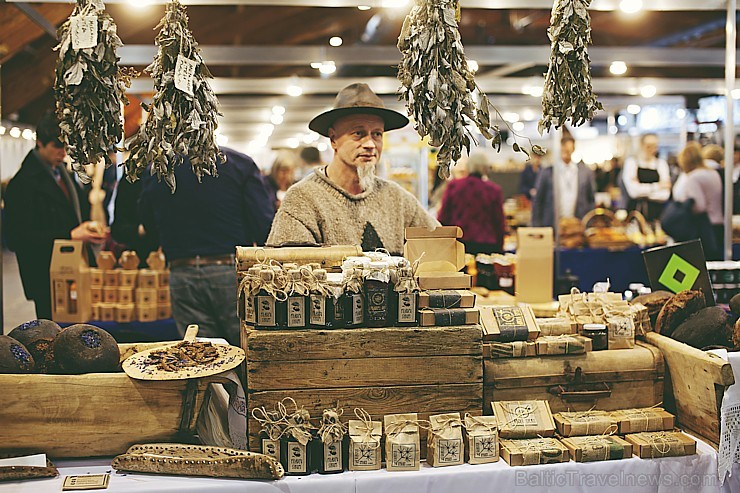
column 344, row 203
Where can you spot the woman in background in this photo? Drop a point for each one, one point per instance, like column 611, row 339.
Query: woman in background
column 281, row 177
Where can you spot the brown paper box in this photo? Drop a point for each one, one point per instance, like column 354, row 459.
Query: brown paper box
column 643, row 420
column 146, row 313
column 364, row 445
column 96, row 277
column 124, row 313
column 402, row 443
column 441, row 298
column 534, row 270
column 96, row 311
column 164, row 311
column 105, row 260
column 129, row 260
column 112, row 278
column 70, row 282
column 597, row 448
column 156, row 261
column 481, row 436
column 621, row 332
column 430, row 317
column 163, row 279
column 516, row 349
column 110, row 294
column 533, row 451
column 145, row 296
column 126, row 295
column 147, row 279
column 556, row 326
column 585, row 423
column 163, row 295
column 96, row 295
column 445, row 446
column 437, row 250
column 562, row 345
column 508, row 323
column 444, row 280
column 523, row 419
column 107, row 312
column 128, row 278
column 662, row 444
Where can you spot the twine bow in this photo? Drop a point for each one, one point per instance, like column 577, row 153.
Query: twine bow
column 643, row 416
column 538, row 446
column 395, row 428
column 332, row 430
column 297, row 423
column 519, row 413
column 367, row 428
column 661, row 442
column 270, row 422
column 438, row 427
column 490, row 428
column 353, row 281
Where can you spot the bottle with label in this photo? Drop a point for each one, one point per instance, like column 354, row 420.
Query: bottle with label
column 331, row 445
column 270, row 431
column 265, row 301
column 319, row 301
column 297, row 303
column 406, row 299
column 377, row 293
column 296, row 448
column 353, row 298
column 247, row 292
column 337, row 312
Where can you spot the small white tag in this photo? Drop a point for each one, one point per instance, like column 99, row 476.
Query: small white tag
column 297, row 312
column 296, row 457
column 407, row 307
column 448, row 451
column 249, row 314
column 333, row 456
column 358, row 309
column 185, row 74
column 266, row 311
column 318, row 309
column 271, row 448
column 84, row 31
column 485, row 447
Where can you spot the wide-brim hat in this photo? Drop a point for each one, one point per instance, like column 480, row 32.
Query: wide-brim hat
column 356, row 99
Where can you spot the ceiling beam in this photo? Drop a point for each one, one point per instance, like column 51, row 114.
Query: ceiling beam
column 389, row 55
column 606, row 5
column 37, row 18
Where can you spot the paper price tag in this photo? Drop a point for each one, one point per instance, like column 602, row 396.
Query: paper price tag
column 185, row 74
column 84, row 31
column 88, row 482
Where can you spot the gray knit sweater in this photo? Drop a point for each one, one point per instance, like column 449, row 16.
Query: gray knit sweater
column 315, row 210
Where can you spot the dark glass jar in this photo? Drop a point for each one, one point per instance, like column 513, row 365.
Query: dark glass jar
column 295, row 457
column 318, row 301
column 337, row 312
column 353, row 298
column 377, row 293
column 406, row 299
column 331, row 457
column 268, row 446
column 297, row 302
column 598, row 334
column 265, row 302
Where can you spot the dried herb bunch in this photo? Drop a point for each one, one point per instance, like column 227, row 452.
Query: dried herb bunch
column 438, row 86
column 179, row 124
column 568, row 94
column 90, row 89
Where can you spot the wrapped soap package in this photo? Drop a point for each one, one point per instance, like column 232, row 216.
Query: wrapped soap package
column 445, row 446
column 563, row 344
column 570, row 424
column 533, row 451
column 516, row 349
column 443, row 317
column 523, row 419
column 621, row 332
column 509, row 323
column 401, row 442
column 650, row 445
column 643, row 420
column 556, row 326
column 641, row 318
column 364, row 443
column 597, row 448
column 481, row 434
column 441, row 298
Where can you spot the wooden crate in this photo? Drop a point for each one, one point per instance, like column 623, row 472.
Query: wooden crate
column 633, row 378
column 427, row 370
column 96, row 414
column 695, row 384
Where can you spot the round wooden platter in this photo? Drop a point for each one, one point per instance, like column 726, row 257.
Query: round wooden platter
column 137, row 366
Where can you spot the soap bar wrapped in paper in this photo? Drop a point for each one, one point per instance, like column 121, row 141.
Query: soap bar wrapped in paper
column 643, row 420
column 556, row 326
column 509, row 323
column 597, row 448
column 571, row 424
column 444, row 317
column 523, row 419
column 446, row 298
column 516, row 349
column 650, row 445
column 533, row 451
column 563, row 344
column 621, row 332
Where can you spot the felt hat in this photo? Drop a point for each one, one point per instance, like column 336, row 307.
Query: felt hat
column 355, row 99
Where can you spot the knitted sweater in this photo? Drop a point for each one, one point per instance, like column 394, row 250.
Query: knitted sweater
column 315, row 210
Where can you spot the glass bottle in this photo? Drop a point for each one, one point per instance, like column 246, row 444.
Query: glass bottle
column 337, row 312
column 353, row 298
column 376, row 290
column 295, row 457
column 246, row 296
column 406, row 299
column 265, row 301
column 318, row 301
column 297, row 302
column 331, row 445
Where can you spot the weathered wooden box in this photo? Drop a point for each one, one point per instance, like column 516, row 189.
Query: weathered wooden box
column 427, row 370
column 604, row 380
column 95, row 414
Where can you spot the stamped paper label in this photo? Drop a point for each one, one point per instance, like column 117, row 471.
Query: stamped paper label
column 510, row 318
column 249, row 313
column 333, row 456
column 448, row 451
column 621, row 328
column 485, row 447
column 86, row 482
column 358, row 309
column 520, row 415
column 403, row 456
column 271, row 448
column 318, row 309
column 296, row 457
column 84, row 31
column 407, row 307
column 365, row 454
column 266, row 311
column 296, row 311
column 185, row 74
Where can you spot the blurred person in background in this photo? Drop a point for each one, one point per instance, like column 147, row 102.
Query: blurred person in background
column 703, row 185
column 310, row 160
column 528, row 178
column 477, row 206
column 575, row 188
column 459, row 170
column 714, row 157
column 647, row 179
column 281, row 177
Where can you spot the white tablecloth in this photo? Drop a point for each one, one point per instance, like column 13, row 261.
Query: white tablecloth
column 697, row 473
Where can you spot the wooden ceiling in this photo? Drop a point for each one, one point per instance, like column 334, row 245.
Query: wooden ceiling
column 28, row 60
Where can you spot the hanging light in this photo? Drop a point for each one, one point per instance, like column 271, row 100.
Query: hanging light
column 294, row 90
column 278, row 110
column 363, row 7
column 473, row 66
column 633, row 109
column 618, row 68
column 276, row 119
column 15, row 132
column 336, row 41
column 630, row 6
column 648, row 91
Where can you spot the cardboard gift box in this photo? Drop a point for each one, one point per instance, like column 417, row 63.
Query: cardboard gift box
column 124, row 312
column 125, row 295
column 534, row 269
column 128, row 278
column 516, row 349
column 163, row 278
column 556, row 326
column 597, row 448
column 107, row 312
column 621, row 332
column 164, row 311
column 364, row 444
column 163, row 295
column 401, row 442
column 70, row 282
column 147, row 278
column 481, row 434
column 110, row 294
column 96, row 277
column 534, row 451
column 650, row 445
column 441, row 317
column 643, row 420
column 145, row 296
column 641, row 318
column 509, row 323
column 523, row 419
column 112, row 278
column 96, row 296
column 440, row 256
column 96, row 311
column 441, row 298
column 105, row 260
column 585, row 423
column 445, row 446
column 564, row 344
column 146, row 313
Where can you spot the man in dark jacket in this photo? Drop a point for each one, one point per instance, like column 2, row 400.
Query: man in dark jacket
column 200, row 226
column 43, row 203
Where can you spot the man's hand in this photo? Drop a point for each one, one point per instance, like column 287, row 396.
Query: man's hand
column 89, row 232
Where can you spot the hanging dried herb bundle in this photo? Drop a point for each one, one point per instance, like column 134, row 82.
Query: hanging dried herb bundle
column 90, row 87
column 438, row 86
column 183, row 114
column 568, row 94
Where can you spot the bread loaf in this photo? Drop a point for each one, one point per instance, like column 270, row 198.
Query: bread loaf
column 677, row 309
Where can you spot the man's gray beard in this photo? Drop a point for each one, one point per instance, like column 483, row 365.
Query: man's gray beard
column 366, row 174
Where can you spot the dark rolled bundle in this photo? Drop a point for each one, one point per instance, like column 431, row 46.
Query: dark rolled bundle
column 653, row 302
column 14, row 357
column 38, row 338
column 735, row 304
column 707, row 327
column 84, row 348
column 677, row 309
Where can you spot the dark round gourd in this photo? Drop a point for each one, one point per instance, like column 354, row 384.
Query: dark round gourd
column 14, row 357
column 707, row 327
column 84, row 348
column 38, row 338
column 735, row 304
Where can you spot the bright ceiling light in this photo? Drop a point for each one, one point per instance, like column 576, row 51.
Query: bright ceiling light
column 321, row 146
column 735, row 94
column 27, row 134
column 278, row 110
column 510, row 117
column 618, row 68
column 680, row 113
column 15, row 132
column 613, row 130
column 222, row 139
column 276, row 119
column 307, row 139
column 328, row 68
column 336, row 41
column 633, row 109
column 473, row 65
column 648, row 91
column 622, row 120
column 294, row 90
column 140, row 3
column 393, row 4
column 630, row 6
column 528, row 115
column 518, row 126
column 535, row 91
column 2, row 130
column 363, row 7
column 293, row 143
column 316, row 65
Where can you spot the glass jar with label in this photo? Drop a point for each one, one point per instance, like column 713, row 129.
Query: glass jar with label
column 297, row 301
column 331, row 444
column 353, row 298
column 598, row 334
column 406, row 299
column 265, row 301
column 376, row 288
column 337, row 312
column 247, row 286
column 270, row 431
column 318, row 300
column 296, row 448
